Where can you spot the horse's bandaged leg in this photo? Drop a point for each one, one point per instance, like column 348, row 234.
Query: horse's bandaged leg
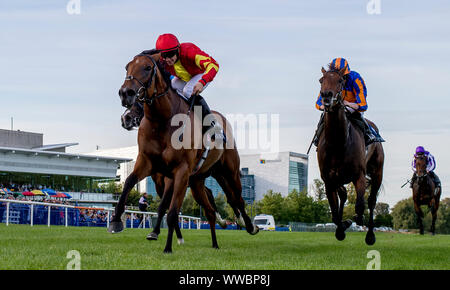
column 220, row 221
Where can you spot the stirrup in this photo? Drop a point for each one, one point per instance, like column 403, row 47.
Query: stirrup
column 218, row 132
column 436, row 190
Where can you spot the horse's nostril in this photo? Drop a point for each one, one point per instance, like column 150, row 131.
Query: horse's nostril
column 131, row 92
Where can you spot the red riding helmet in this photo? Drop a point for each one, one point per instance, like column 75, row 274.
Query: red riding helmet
column 167, row 42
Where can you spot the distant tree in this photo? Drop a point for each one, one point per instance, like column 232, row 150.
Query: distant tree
column 190, row 206
column 322, row 212
column 298, row 207
column 382, row 216
column 404, row 216
column 443, row 220
column 153, row 203
column 112, row 187
column 133, row 197
column 221, row 204
column 349, row 208
column 319, row 190
column 271, row 203
column 381, row 208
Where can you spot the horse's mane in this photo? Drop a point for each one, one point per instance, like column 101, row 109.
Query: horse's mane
column 332, row 68
column 161, row 68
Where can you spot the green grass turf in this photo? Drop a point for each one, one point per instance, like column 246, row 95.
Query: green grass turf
column 40, row 247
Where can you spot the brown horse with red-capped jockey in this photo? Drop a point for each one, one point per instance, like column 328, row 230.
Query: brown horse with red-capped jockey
column 163, row 152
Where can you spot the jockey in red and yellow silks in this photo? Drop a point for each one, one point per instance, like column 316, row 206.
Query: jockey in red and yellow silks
column 192, row 70
column 193, row 61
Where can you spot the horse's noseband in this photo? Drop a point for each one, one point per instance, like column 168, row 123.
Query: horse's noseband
column 335, row 99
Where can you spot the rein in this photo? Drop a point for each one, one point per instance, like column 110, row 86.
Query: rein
column 142, row 93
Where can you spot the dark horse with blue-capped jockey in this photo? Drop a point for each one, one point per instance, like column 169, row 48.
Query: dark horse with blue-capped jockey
column 343, row 154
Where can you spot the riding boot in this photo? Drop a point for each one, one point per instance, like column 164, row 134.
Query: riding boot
column 369, row 137
column 413, row 179
column 214, row 124
column 436, row 180
column 319, row 130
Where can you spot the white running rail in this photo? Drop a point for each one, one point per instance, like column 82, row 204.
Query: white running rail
column 109, row 210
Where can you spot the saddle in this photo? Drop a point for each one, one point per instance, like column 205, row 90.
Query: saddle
column 200, row 101
column 370, row 134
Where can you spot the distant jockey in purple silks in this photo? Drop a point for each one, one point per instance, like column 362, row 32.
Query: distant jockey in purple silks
column 431, row 165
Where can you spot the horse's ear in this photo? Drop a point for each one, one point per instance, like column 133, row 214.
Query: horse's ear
column 342, row 72
column 323, row 71
column 150, row 51
column 157, row 56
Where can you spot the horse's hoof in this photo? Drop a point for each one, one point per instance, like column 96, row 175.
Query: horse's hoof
column 152, row 236
column 180, row 241
column 340, row 235
column 115, row 227
column 370, row 238
column 255, row 230
column 167, row 251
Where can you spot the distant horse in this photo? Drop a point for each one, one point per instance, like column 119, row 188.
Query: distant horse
column 424, row 193
column 146, row 82
column 343, row 159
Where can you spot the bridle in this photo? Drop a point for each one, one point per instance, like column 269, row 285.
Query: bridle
column 142, row 93
column 426, row 173
column 335, row 99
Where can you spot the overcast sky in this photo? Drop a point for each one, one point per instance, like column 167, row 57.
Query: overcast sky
column 60, row 72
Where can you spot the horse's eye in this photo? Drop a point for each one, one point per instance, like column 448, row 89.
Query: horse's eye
column 148, row 68
column 320, row 80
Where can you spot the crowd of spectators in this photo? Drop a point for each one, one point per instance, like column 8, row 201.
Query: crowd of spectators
column 16, row 187
column 41, row 199
column 93, row 216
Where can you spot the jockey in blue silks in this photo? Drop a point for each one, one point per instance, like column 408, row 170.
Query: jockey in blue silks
column 354, row 98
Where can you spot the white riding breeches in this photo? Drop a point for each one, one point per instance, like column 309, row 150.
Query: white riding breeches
column 186, row 88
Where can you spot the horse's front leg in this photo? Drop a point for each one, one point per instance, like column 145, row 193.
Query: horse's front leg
column 342, row 192
column 419, row 214
column 360, row 188
column 181, row 179
column 434, row 210
column 372, row 201
column 165, row 191
column 141, row 170
column 333, row 201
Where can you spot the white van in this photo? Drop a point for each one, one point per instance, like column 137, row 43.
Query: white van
column 265, row 222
